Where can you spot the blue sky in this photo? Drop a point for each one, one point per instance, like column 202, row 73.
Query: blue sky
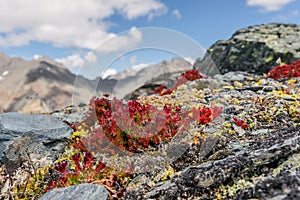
column 71, row 31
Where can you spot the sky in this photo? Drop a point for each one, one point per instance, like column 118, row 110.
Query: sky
column 93, row 37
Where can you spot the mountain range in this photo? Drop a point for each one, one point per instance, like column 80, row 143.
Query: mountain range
column 44, row 85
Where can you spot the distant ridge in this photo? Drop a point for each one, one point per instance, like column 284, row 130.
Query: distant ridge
column 44, row 85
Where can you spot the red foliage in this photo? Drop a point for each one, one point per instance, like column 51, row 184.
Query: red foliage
column 192, row 75
column 205, row 115
column 202, row 115
column 88, row 161
column 189, row 75
column 215, row 111
column 62, row 167
column 285, row 71
column 85, row 174
column 134, row 126
column 240, row 123
column 76, row 159
column 166, row 92
column 100, row 166
column 160, row 90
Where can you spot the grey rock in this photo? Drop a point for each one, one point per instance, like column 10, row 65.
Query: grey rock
column 256, row 158
column 235, row 76
column 240, row 131
column 261, row 131
column 24, row 137
column 254, row 49
column 77, row 192
column 196, row 153
column 210, row 83
column 72, row 114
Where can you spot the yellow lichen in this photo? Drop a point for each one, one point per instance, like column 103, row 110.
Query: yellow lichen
column 231, row 190
column 238, row 84
column 227, row 125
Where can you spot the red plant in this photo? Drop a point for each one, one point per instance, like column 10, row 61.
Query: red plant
column 215, row 111
column 240, row 123
column 202, row 115
column 189, row 75
column 160, row 90
column 205, row 115
column 62, row 167
column 132, row 127
column 285, row 71
column 192, row 75
column 76, row 159
column 91, row 172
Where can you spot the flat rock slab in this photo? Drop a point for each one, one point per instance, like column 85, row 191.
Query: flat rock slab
column 81, row 191
column 36, row 138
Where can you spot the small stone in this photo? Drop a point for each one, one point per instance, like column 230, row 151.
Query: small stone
column 268, row 88
column 77, row 192
column 260, row 132
column 239, row 130
column 288, row 98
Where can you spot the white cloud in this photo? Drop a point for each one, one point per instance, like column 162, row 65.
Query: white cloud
column 121, row 42
column 71, row 61
column 36, row 56
column 68, row 23
column 108, row 72
column 269, row 5
column 176, row 13
column 91, row 58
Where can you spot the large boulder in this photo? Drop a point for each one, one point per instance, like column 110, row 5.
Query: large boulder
column 38, row 139
column 254, row 49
